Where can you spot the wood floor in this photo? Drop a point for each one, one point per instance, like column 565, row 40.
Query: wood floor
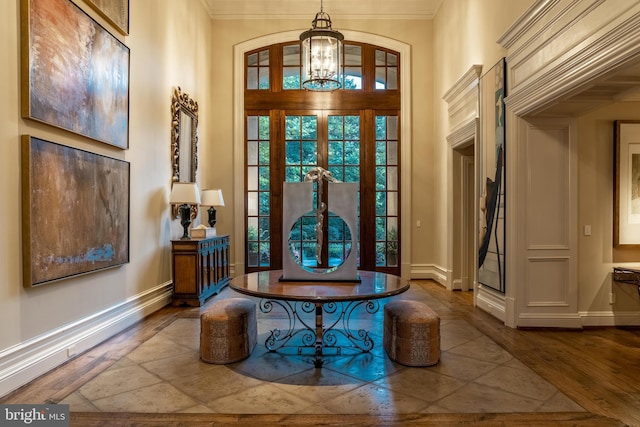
column 598, row 368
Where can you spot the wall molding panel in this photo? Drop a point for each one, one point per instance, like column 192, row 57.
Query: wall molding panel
column 546, row 272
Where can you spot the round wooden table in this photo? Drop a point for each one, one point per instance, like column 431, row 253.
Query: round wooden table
column 331, row 297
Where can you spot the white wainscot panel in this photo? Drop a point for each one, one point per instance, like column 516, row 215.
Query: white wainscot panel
column 548, row 181
column 548, row 282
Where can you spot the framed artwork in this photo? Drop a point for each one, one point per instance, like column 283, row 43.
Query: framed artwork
column 75, row 74
column 491, row 256
column 626, row 215
column 75, row 211
column 116, row 12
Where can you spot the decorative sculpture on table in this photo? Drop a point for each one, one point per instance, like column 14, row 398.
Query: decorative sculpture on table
column 298, row 201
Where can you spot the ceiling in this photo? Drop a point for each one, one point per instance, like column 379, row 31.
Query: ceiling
column 306, row 9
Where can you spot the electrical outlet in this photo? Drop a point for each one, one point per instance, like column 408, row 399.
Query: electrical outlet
column 418, row 223
column 612, row 298
column 71, row 351
column 587, row 230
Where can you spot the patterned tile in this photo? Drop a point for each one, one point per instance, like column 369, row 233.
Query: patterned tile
column 474, row 374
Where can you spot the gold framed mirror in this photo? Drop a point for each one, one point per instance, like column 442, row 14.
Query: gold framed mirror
column 184, row 136
column 184, row 141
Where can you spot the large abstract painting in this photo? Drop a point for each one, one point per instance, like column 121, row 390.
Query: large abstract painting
column 491, row 260
column 75, row 74
column 75, row 208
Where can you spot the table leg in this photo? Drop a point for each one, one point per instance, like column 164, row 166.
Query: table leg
column 317, row 361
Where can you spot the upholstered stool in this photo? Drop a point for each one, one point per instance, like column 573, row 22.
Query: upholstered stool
column 228, row 331
column 411, row 333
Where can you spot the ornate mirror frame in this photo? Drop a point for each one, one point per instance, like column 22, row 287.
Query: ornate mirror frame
column 184, row 136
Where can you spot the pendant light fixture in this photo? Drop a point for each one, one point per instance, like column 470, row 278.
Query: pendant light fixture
column 321, row 55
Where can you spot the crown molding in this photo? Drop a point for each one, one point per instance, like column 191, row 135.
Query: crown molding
column 567, row 48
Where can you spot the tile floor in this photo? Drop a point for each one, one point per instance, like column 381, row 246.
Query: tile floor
column 165, row 375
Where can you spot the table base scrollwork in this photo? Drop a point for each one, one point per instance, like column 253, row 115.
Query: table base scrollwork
column 337, row 336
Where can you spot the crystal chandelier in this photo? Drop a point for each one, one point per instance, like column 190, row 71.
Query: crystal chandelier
column 321, row 55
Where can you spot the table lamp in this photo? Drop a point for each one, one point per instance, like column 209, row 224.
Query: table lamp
column 185, row 194
column 212, row 198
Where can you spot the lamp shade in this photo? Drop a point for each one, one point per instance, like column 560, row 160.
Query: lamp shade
column 212, row 198
column 184, row 193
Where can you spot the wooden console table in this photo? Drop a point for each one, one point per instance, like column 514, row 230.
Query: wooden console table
column 200, row 269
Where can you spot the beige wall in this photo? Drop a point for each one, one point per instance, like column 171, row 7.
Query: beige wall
column 170, row 44
column 596, row 255
column 465, row 34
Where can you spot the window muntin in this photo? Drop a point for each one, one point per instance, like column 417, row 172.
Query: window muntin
column 352, row 74
column 291, row 67
column 343, row 161
column 387, row 190
column 301, row 154
column 258, row 191
column 386, row 70
column 258, row 70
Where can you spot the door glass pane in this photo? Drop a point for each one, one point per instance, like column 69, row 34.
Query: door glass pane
column 381, row 78
column 263, row 57
column 291, row 67
column 387, row 239
column 352, row 67
column 257, row 67
column 252, row 78
column 301, row 146
column 252, row 152
column 252, row 178
column 344, row 163
column 258, row 191
column 301, row 154
column 344, row 147
column 264, row 78
column 386, row 70
column 392, row 78
column 252, row 204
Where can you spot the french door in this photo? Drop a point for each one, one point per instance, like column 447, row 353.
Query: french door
column 355, row 146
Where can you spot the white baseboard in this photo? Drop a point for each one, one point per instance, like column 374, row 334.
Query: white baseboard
column 492, row 303
column 432, row 272
column 550, row 320
column 610, row 318
column 28, row 360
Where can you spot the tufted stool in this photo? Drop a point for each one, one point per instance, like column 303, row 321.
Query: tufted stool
column 411, row 333
column 228, row 331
